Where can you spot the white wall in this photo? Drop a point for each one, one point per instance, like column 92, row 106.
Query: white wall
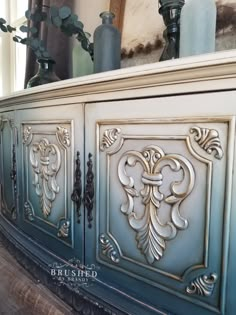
column 88, row 12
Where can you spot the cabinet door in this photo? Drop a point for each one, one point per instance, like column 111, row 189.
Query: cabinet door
column 49, row 141
column 161, row 220
column 8, row 171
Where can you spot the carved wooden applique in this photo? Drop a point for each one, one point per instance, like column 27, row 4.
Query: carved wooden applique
column 203, row 285
column 45, row 159
column 152, row 234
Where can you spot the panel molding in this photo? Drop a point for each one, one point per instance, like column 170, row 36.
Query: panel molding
column 203, row 285
column 118, row 144
column 209, row 161
column 47, row 159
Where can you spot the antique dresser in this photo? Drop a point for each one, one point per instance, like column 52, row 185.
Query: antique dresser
column 129, row 174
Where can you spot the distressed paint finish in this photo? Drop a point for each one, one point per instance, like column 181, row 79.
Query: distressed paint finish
column 132, row 100
column 152, row 233
column 8, row 166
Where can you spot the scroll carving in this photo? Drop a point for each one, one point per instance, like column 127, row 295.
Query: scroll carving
column 109, row 138
column 45, row 159
column 63, row 136
column 152, row 233
column 108, row 249
column 209, row 140
column 28, row 211
column 27, row 134
column 203, row 285
column 2, row 122
column 63, row 231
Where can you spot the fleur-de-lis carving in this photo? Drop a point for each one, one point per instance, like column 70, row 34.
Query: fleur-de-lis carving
column 45, row 159
column 152, row 233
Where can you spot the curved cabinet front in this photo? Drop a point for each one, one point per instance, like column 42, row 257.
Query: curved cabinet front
column 8, row 166
column 163, row 195
column 47, row 150
column 138, row 191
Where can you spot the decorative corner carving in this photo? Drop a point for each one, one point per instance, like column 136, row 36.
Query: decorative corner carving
column 13, row 213
column 28, row 211
column 89, row 190
column 2, row 122
column 63, row 231
column 108, row 249
column 12, row 123
column 109, row 138
column 152, row 233
column 27, row 135
column 76, row 195
column 63, row 136
column 45, row 158
column 203, row 285
column 208, row 140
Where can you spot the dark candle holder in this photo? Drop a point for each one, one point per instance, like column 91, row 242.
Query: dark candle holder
column 170, row 11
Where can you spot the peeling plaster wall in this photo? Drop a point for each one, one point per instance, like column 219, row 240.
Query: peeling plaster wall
column 143, row 25
column 142, row 40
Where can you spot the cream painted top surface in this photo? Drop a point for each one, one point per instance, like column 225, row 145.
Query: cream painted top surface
column 209, row 72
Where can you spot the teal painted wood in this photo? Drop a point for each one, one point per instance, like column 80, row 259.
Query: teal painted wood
column 8, row 168
column 47, row 155
column 190, row 273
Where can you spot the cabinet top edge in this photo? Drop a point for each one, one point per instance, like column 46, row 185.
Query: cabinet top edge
column 217, row 70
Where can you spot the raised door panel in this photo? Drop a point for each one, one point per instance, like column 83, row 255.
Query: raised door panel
column 162, row 206
column 8, row 168
column 49, row 141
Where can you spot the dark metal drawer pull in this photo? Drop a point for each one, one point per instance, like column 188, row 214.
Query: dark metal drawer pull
column 76, row 196
column 89, row 190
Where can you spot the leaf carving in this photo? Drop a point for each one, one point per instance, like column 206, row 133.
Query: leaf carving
column 209, row 140
column 152, row 233
column 45, row 160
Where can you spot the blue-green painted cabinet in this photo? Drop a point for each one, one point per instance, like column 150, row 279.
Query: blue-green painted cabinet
column 163, row 193
column 49, row 140
column 139, row 189
column 8, row 161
